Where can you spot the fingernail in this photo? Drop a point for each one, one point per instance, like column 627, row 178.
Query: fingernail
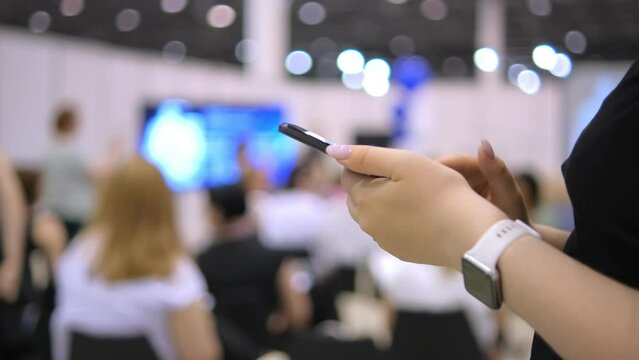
column 488, row 149
column 339, row 152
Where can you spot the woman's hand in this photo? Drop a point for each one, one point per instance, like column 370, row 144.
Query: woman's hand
column 414, row 207
column 489, row 176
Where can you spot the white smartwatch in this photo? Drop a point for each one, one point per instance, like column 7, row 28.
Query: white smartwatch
column 479, row 264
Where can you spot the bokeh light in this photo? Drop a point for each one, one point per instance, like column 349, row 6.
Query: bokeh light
column 174, row 51
column 39, row 22
column 173, row 6
column 376, row 87
column 127, row 20
column 576, row 42
column 563, row 66
column 377, row 68
column 353, row 81
column 247, row 51
column 540, row 7
column 544, row 56
column 298, row 62
column 71, row 7
column 350, row 61
column 529, row 82
column 376, row 80
column 435, row 10
column 514, row 71
column 486, row 59
column 311, row 13
column 220, row 16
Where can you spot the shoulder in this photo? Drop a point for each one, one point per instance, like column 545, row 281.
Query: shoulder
column 186, row 285
column 78, row 256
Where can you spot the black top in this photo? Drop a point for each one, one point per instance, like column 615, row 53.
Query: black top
column 601, row 176
column 242, row 276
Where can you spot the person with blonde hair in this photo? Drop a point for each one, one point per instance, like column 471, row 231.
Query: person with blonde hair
column 126, row 275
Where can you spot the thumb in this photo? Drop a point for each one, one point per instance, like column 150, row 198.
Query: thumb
column 502, row 184
column 369, row 160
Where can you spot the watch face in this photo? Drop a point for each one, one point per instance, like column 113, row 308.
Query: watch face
column 481, row 284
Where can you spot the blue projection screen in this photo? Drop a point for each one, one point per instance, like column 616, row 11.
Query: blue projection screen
column 197, row 147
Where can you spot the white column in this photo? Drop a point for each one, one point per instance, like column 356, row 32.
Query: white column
column 491, row 32
column 267, row 23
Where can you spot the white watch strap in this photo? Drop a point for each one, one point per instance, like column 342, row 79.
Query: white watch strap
column 496, row 239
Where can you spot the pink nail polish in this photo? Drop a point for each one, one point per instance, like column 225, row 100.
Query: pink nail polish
column 488, row 149
column 339, row 152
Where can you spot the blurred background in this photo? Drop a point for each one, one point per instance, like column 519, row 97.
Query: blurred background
column 198, row 88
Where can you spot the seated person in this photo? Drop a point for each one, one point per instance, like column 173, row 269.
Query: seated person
column 127, row 276
column 253, row 286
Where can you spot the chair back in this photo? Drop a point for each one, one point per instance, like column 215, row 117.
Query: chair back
column 89, row 347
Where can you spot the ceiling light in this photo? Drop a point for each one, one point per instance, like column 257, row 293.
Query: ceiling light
column 311, row 13
column 71, row 7
column 540, row 7
column 544, row 56
column 173, row 6
column 298, row 62
column 127, row 20
column 576, row 42
column 434, row 10
column 353, row 81
column 350, row 61
column 174, row 51
column 220, row 16
column 514, row 71
column 39, row 22
column 529, row 82
column 377, row 68
column 247, row 51
column 486, row 59
column 563, row 66
column 375, row 86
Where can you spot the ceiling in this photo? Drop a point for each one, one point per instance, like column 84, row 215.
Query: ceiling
column 379, row 28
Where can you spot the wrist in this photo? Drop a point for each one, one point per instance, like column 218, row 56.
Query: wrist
column 480, row 215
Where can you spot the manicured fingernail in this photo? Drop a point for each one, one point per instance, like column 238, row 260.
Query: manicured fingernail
column 339, row 152
column 488, row 149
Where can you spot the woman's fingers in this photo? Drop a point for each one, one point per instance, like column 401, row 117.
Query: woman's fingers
column 369, row 160
column 504, row 191
column 497, row 174
column 468, row 167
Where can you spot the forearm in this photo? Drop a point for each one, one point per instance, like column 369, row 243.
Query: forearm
column 579, row 312
column 553, row 236
column 13, row 217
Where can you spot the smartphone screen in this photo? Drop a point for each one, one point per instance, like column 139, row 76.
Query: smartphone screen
column 304, row 136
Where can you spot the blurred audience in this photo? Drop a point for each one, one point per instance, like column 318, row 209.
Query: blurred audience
column 338, row 253
column 293, row 218
column 13, row 216
column 257, row 300
column 253, row 179
column 433, row 314
column 67, row 181
column 126, row 275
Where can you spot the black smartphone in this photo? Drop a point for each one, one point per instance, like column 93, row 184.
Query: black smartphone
column 304, row 136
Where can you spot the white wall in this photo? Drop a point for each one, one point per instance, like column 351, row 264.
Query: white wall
column 110, row 86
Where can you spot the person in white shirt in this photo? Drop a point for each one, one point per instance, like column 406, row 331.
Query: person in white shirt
column 126, row 275
column 293, row 219
column 430, row 290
